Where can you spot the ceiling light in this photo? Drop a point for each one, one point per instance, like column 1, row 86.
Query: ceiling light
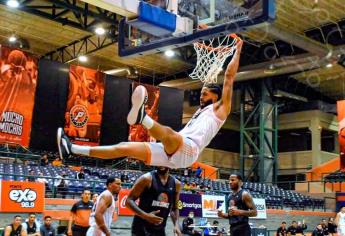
column 329, row 65
column 82, row 58
column 271, row 67
column 12, row 39
column 278, row 95
column 100, row 31
column 169, row 53
column 13, row 3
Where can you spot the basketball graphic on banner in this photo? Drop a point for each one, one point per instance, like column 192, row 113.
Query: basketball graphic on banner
column 84, row 105
column 18, row 80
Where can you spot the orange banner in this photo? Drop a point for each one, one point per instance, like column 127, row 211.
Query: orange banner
column 341, row 131
column 84, row 105
column 209, row 172
column 18, row 79
column 137, row 133
column 21, row 197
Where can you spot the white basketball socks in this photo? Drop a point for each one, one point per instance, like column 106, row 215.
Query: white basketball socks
column 81, row 150
column 147, row 122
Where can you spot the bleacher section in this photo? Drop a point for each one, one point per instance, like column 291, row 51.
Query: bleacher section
column 95, row 180
column 335, row 177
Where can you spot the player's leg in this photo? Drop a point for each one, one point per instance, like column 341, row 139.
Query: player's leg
column 149, row 153
column 137, row 150
column 169, row 138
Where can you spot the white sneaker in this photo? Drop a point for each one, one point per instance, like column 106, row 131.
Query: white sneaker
column 64, row 144
column 137, row 112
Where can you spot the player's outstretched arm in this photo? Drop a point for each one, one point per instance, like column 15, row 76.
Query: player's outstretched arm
column 229, row 78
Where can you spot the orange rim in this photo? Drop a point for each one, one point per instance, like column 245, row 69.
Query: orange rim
column 219, row 48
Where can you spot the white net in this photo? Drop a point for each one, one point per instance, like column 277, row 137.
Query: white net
column 211, row 55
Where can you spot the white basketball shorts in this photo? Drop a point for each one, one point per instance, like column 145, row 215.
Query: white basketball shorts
column 93, row 231
column 185, row 156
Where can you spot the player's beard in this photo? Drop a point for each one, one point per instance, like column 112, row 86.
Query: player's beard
column 162, row 171
column 234, row 187
column 206, row 103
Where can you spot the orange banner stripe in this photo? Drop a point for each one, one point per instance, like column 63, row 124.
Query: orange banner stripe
column 58, row 201
column 341, row 198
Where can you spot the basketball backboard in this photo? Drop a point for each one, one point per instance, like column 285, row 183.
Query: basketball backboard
column 211, row 18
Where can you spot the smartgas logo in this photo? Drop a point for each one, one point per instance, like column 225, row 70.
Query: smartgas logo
column 182, row 205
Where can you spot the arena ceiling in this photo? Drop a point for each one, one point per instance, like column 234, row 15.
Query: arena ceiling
column 320, row 22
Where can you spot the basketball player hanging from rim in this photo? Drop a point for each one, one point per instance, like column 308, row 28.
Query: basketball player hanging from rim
column 177, row 149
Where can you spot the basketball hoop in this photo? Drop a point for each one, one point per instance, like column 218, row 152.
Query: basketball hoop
column 211, row 55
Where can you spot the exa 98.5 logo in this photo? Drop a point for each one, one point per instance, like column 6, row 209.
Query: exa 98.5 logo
column 25, row 197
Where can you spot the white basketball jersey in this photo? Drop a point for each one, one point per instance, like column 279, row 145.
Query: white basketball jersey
column 108, row 214
column 203, row 126
column 341, row 219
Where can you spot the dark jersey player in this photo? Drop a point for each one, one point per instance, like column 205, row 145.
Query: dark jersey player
column 240, row 208
column 158, row 193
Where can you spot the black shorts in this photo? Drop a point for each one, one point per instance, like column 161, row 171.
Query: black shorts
column 240, row 230
column 79, row 230
column 146, row 231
